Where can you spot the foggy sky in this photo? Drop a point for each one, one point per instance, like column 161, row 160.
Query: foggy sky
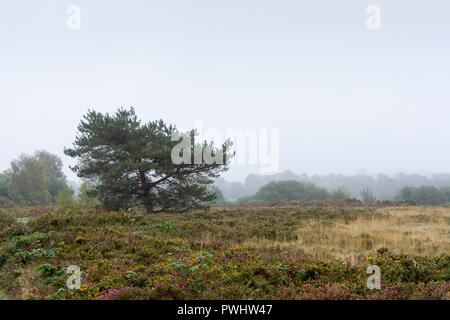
column 344, row 98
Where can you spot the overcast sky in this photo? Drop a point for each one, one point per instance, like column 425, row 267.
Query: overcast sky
column 344, row 98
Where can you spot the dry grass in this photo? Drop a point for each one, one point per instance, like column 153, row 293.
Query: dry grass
column 407, row 230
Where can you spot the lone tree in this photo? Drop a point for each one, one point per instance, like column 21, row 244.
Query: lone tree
column 367, row 196
column 133, row 164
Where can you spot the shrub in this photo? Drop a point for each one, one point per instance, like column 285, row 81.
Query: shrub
column 6, row 220
column 65, row 199
column 3, row 259
column 46, row 270
column 80, row 240
column 6, row 203
column 291, row 190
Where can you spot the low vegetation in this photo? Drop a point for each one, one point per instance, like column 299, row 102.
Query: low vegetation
column 309, row 251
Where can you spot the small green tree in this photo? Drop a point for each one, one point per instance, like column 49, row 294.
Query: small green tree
column 5, row 182
column 56, row 177
column 340, row 194
column 86, row 195
column 65, row 199
column 405, row 194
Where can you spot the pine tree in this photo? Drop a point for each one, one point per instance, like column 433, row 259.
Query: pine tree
column 131, row 163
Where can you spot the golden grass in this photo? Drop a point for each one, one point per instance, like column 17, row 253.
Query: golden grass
column 408, row 230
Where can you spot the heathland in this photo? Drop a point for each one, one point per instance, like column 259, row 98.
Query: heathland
column 295, row 250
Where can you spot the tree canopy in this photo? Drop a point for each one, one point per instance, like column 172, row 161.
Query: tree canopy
column 425, row 195
column 35, row 179
column 133, row 163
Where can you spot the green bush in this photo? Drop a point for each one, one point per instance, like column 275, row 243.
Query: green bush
column 65, row 199
column 291, row 190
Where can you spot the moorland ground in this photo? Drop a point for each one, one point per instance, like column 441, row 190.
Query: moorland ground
column 313, row 251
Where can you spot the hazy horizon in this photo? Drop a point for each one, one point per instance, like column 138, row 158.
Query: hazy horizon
column 344, row 98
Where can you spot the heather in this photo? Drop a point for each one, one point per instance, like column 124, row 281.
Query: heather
column 228, row 252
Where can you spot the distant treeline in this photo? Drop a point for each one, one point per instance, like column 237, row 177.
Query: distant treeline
column 295, row 190
column 425, row 195
column 38, row 179
column 382, row 187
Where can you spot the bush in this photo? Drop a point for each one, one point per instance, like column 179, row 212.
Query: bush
column 65, row 199
column 6, row 220
column 6, row 203
column 340, row 194
column 291, row 190
column 46, row 270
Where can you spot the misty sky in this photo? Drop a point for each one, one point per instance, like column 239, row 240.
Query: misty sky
column 345, row 98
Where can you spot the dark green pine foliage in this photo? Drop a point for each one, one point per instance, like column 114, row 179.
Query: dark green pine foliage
column 130, row 164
